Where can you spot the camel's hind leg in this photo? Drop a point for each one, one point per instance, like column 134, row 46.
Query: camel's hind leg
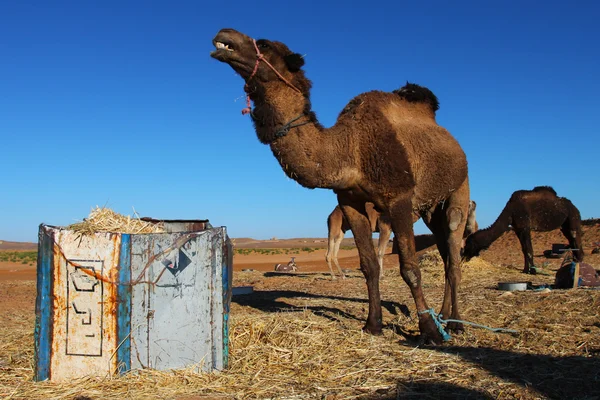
column 524, row 235
column 447, row 223
column 572, row 231
column 385, row 231
column 402, row 224
column 333, row 246
column 356, row 214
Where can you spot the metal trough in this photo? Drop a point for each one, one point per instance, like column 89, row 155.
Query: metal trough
column 112, row 302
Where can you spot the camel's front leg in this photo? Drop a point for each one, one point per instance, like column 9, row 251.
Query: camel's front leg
column 571, row 229
column 356, row 215
column 524, row 236
column 436, row 222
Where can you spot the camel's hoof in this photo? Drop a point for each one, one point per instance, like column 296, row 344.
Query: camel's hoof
column 430, row 335
column 531, row 271
column 455, row 327
column 375, row 331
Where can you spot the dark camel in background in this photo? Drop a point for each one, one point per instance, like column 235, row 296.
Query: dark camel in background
column 383, row 149
column 539, row 210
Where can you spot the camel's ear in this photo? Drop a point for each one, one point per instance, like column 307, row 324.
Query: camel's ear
column 294, row 62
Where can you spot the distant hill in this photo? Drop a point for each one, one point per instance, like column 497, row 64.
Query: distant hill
column 24, row 246
column 249, row 243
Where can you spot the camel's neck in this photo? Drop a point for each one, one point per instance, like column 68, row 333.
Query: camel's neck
column 485, row 237
column 313, row 156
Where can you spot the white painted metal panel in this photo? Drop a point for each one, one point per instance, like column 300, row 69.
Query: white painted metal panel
column 177, row 308
column 84, row 321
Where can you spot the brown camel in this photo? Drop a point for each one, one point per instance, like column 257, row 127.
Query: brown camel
column 539, row 210
column 383, row 149
column 337, row 226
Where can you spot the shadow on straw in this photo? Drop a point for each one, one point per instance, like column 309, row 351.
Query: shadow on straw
column 270, row 301
column 553, row 377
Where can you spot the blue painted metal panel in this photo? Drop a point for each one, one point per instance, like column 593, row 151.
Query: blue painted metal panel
column 227, row 270
column 43, row 305
column 124, row 305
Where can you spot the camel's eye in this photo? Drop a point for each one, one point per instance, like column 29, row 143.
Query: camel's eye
column 263, row 44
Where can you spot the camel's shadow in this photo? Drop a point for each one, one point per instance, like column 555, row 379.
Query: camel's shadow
column 553, row 377
column 570, row 377
column 427, row 390
column 317, row 275
column 271, row 301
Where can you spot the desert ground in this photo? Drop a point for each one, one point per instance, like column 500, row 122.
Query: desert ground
column 299, row 334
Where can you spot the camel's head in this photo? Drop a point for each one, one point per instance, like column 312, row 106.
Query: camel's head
column 240, row 52
column 471, row 248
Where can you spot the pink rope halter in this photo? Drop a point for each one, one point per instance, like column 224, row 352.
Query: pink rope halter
column 259, row 58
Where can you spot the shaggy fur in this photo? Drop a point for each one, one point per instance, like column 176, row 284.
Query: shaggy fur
column 539, row 210
column 384, row 149
column 338, row 225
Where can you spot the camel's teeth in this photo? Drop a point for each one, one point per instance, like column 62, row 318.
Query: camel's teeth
column 220, row 45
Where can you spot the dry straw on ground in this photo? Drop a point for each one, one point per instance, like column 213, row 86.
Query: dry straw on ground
column 102, row 219
column 283, row 355
column 299, row 337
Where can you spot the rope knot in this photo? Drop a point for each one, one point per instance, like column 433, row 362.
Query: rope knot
column 438, row 323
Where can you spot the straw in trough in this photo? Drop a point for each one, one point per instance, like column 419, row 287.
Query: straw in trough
column 102, row 219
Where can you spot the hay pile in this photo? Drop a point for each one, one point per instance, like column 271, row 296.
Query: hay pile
column 102, row 219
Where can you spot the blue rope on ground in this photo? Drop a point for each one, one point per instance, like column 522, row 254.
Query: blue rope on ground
column 541, row 287
column 445, row 335
column 439, row 321
column 445, row 321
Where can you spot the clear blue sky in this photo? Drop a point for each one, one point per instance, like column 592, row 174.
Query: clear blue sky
column 119, row 103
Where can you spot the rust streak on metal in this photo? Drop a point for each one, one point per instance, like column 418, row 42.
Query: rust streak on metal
column 59, row 303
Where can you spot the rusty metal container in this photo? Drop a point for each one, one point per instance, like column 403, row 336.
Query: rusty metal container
column 112, row 302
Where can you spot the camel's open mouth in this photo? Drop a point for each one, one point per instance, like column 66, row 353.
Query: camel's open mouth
column 223, row 49
column 221, row 46
column 229, row 48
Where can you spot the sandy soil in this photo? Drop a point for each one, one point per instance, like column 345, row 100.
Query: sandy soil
column 11, row 271
column 313, row 261
column 559, row 339
column 505, row 252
